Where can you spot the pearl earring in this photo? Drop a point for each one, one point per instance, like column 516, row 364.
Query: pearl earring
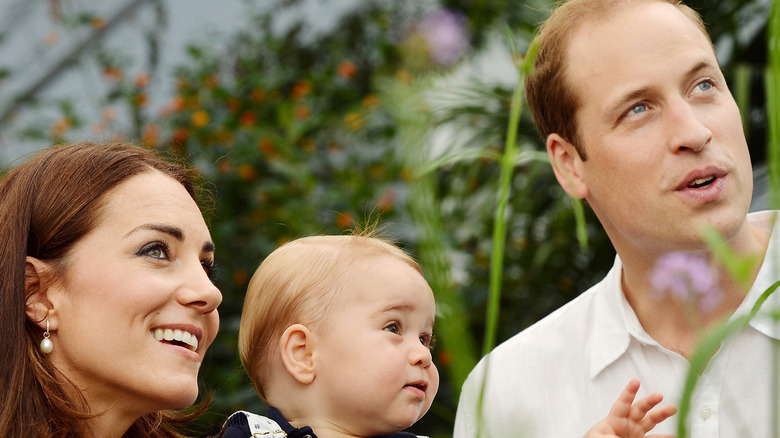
column 46, row 344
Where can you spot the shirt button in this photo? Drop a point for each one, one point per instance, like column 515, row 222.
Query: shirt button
column 705, row 412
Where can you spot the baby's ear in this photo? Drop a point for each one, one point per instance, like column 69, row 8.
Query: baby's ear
column 297, row 346
column 38, row 306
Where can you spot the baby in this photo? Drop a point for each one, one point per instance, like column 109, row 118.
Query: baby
column 336, row 335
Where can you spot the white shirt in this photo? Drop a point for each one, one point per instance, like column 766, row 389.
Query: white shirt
column 561, row 376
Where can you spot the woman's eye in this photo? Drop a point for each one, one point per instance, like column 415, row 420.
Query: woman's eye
column 155, row 250
column 211, row 269
column 393, row 327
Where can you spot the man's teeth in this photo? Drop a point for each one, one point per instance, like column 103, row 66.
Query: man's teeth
column 177, row 335
column 701, row 182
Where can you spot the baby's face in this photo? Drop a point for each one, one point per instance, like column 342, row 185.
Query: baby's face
column 374, row 359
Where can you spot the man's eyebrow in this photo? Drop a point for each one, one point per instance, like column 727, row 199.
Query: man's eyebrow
column 701, row 65
column 639, row 92
column 626, row 100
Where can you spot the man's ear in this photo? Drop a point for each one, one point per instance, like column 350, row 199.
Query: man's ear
column 37, row 279
column 567, row 165
column 297, row 348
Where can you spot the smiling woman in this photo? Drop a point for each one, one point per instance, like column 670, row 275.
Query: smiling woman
column 107, row 304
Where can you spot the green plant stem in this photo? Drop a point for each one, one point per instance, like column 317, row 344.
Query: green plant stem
column 704, row 353
column 773, row 105
column 507, row 161
column 775, row 387
column 773, row 166
column 407, row 103
column 499, row 228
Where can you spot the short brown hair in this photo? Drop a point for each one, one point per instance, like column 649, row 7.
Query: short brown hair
column 553, row 101
column 295, row 285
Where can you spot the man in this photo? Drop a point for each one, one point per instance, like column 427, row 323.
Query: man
column 639, row 122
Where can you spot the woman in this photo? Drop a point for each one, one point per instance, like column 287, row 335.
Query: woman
column 107, row 306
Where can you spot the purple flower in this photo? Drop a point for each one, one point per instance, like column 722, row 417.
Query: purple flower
column 688, row 278
column 445, row 34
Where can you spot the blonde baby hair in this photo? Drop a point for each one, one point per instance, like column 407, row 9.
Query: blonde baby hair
column 296, row 284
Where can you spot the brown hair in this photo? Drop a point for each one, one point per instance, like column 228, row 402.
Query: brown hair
column 552, row 100
column 295, row 284
column 46, row 205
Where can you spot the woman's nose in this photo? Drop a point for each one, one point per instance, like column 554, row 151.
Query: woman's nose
column 199, row 291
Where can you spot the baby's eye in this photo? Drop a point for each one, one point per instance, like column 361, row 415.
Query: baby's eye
column 155, row 250
column 428, row 340
column 393, row 327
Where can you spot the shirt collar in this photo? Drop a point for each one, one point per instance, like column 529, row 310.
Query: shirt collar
column 289, row 429
column 768, row 274
column 615, row 322
column 306, row 431
column 610, row 336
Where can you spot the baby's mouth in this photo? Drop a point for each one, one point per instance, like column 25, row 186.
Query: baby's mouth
column 178, row 337
column 422, row 386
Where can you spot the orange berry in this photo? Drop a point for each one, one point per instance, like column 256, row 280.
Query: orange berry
column 142, row 80
column 347, row 69
column 200, row 119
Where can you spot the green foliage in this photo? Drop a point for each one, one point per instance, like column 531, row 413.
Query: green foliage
column 294, row 144
column 301, row 133
column 738, row 267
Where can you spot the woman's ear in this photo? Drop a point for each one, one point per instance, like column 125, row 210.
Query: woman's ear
column 567, row 165
column 297, row 348
column 37, row 279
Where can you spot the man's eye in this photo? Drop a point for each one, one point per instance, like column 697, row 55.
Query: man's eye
column 704, row 86
column 638, row 108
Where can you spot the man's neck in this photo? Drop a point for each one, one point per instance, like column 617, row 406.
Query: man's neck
column 675, row 323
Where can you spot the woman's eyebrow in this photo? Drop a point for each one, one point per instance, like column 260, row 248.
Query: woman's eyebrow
column 175, row 232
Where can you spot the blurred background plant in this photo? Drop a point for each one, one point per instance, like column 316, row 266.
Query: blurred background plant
column 396, row 110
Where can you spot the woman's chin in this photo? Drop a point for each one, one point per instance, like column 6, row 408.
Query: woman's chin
column 179, row 400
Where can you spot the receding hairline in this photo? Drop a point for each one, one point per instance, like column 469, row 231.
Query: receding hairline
column 556, row 34
column 594, row 19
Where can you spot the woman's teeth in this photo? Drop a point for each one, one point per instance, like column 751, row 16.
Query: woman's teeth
column 182, row 336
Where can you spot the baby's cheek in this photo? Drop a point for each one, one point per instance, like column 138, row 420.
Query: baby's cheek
column 433, row 378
